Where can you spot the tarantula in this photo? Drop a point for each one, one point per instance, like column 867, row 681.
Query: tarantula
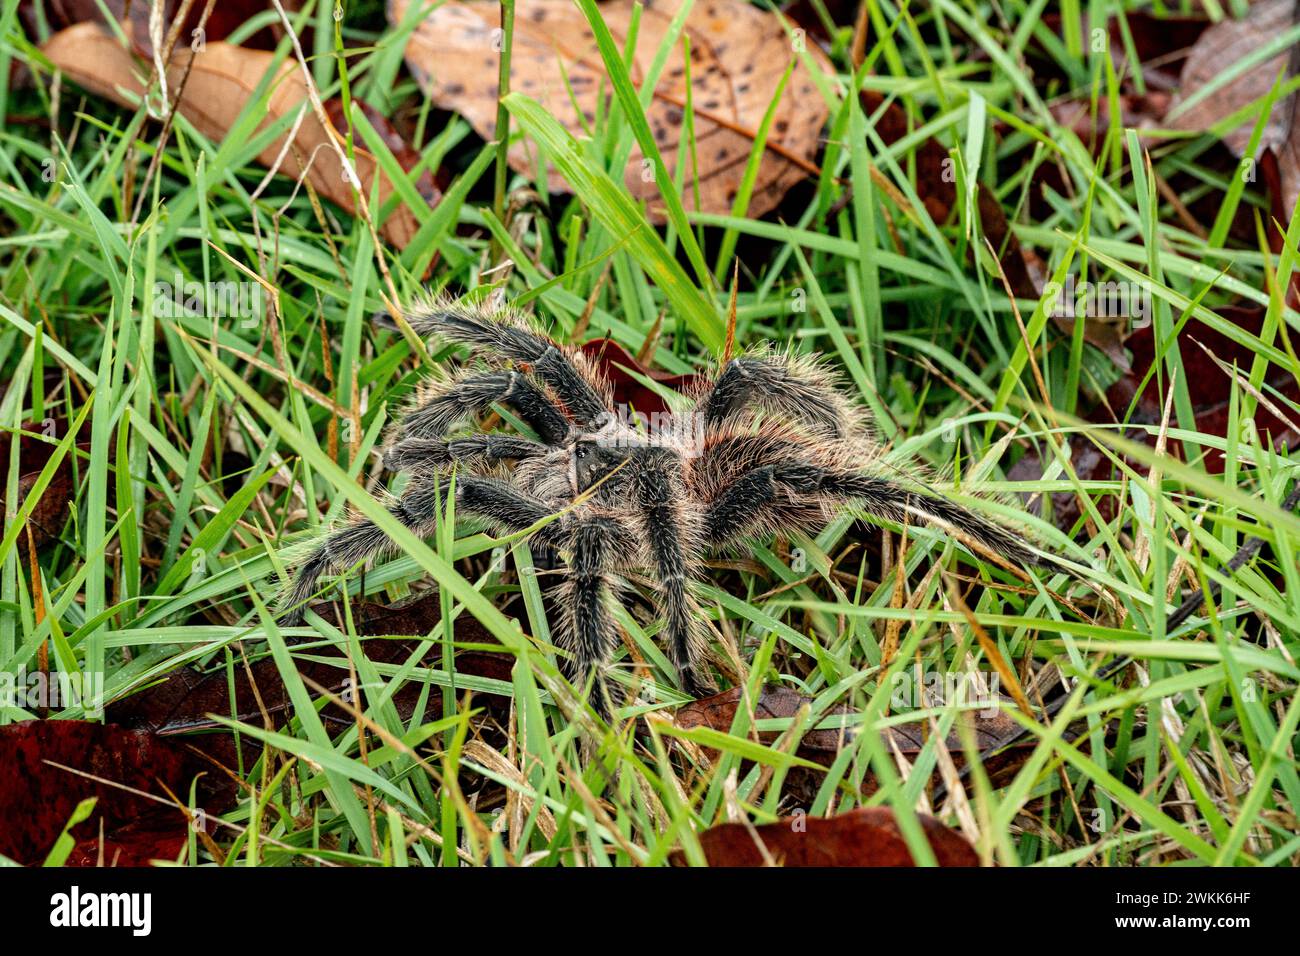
column 771, row 445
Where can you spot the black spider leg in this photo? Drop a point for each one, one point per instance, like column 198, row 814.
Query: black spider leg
column 513, row 341
column 586, row 627
column 748, row 504
column 473, row 451
column 743, row 509
column 475, row 393
column 500, row 503
column 664, row 536
column 772, row 382
column 889, row 499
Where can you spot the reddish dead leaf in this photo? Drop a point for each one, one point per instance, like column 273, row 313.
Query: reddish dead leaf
column 1215, row 50
column 1162, row 44
column 867, row 836
column 937, row 189
column 998, row 738
column 775, row 701
column 618, row 367
column 52, row 510
column 738, row 55
column 166, row 714
column 1088, row 462
column 220, row 80
column 1213, row 386
column 808, row 16
column 37, row 799
column 1219, row 48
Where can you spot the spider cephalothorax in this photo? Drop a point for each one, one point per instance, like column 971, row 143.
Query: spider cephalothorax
column 769, row 446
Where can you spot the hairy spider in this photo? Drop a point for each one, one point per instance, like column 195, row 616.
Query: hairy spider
column 769, row 446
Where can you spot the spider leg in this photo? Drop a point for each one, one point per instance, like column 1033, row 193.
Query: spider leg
column 418, row 509
column 509, row 336
column 586, row 627
column 471, row 394
column 751, row 503
column 426, row 455
column 893, row 501
column 665, row 534
column 508, row 509
column 745, row 508
column 796, row 386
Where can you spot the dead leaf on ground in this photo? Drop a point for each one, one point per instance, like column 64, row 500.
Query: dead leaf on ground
column 429, row 186
column 937, row 189
column 221, row 80
column 224, row 18
column 738, row 54
column 186, row 698
column 618, row 367
column 1218, row 49
column 141, row 744
column 777, row 701
column 37, row 798
column 866, row 836
column 180, row 706
column 1213, row 386
column 51, row 511
column 1160, row 40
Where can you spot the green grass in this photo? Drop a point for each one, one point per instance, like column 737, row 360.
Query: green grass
column 206, row 449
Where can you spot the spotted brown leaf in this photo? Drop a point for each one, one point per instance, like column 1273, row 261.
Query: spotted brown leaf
column 738, row 55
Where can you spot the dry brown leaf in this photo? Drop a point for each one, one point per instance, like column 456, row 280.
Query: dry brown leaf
column 867, row 836
column 1223, row 45
column 222, row 20
column 992, row 731
column 738, row 54
column 221, row 80
column 51, row 511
